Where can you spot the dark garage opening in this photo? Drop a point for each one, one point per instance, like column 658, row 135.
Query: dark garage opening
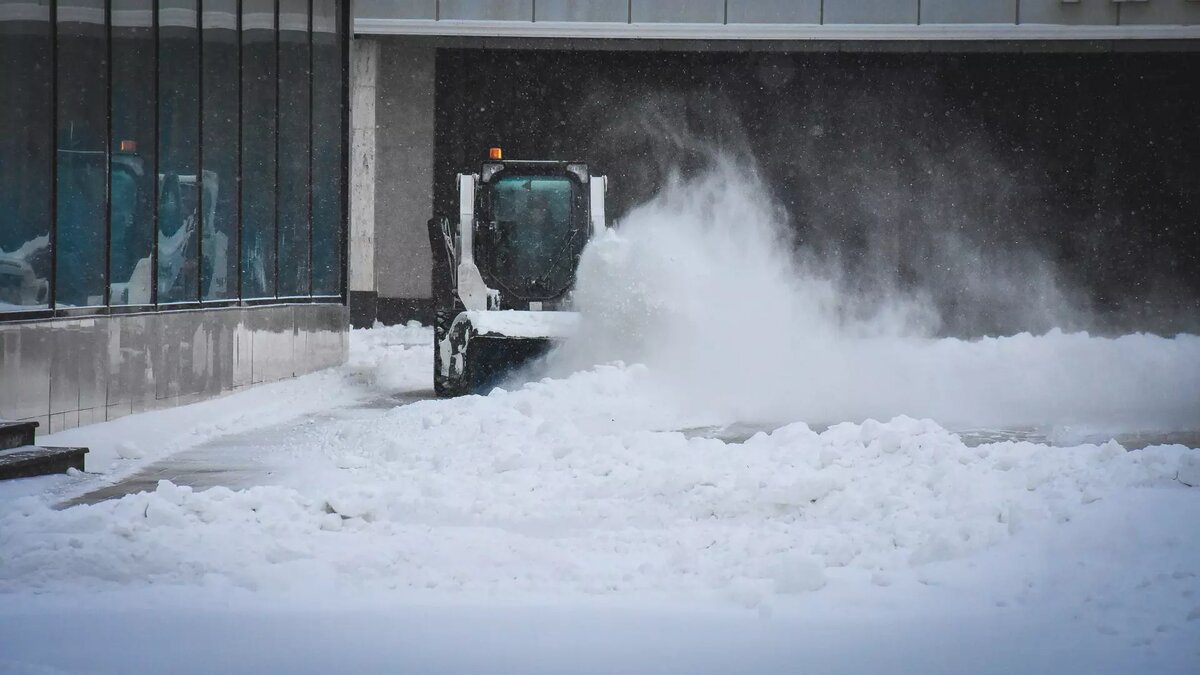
column 1089, row 160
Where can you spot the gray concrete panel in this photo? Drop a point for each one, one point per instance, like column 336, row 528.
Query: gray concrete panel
column 92, row 416
column 582, row 10
column 487, row 10
column 243, row 361
column 260, row 345
column 69, row 372
column 223, row 354
column 1083, row 13
column 1160, row 12
column 62, row 421
column 65, row 344
column 93, row 366
column 323, row 336
column 77, row 380
column 302, row 327
column 968, row 11
column 116, row 412
column 678, row 11
column 274, row 341
column 335, row 343
column 165, row 353
column 364, row 68
column 395, row 9
column 404, row 169
column 185, row 345
column 25, row 356
column 774, row 11
column 198, row 361
column 135, row 366
column 131, row 374
column 871, row 11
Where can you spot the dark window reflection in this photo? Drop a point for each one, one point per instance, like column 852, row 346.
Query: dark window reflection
column 131, row 267
column 82, row 153
column 293, row 205
column 327, row 142
column 258, row 148
column 219, row 237
column 25, row 152
column 179, row 200
column 181, row 161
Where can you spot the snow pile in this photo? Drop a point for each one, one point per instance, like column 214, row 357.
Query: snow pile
column 392, row 358
column 704, row 286
column 564, row 487
column 582, row 488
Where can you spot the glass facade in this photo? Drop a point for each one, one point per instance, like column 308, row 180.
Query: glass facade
column 132, row 147
column 259, row 88
column 295, row 108
column 170, row 152
column 81, row 162
column 221, row 143
column 26, row 166
column 328, row 192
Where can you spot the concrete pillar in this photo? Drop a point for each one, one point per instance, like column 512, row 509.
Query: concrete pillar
column 364, row 70
column 404, row 178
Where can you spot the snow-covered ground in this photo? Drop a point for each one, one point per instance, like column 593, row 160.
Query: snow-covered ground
column 562, row 527
column 591, row 522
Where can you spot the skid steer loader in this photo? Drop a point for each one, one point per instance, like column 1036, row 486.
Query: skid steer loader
column 503, row 271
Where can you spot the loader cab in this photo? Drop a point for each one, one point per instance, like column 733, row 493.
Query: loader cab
column 533, row 223
column 503, row 270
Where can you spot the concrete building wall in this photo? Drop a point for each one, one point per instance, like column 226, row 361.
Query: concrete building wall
column 404, row 114
column 395, row 102
column 785, row 19
column 65, row 373
column 364, row 72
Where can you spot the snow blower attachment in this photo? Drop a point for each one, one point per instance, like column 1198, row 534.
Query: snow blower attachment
column 503, row 272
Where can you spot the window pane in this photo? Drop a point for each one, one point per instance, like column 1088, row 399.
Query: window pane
column 25, row 151
column 258, row 149
column 132, row 145
column 178, row 152
column 294, row 110
column 328, row 137
column 539, row 225
column 82, row 154
column 219, row 218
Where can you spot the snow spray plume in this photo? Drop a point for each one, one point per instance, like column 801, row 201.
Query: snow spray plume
column 884, row 197
column 701, row 284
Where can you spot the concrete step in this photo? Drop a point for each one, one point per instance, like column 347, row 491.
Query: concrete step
column 32, row 460
column 16, row 434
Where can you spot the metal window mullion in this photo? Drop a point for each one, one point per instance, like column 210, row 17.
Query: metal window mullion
column 311, row 148
column 342, row 31
column 52, row 297
column 200, row 224
column 240, row 140
column 157, row 156
column 275, row 187
column 108, row 82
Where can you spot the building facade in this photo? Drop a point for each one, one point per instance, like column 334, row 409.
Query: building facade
column 172, row 200
column 888, row 129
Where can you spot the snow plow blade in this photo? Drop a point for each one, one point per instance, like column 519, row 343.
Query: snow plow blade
column 474, row 351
